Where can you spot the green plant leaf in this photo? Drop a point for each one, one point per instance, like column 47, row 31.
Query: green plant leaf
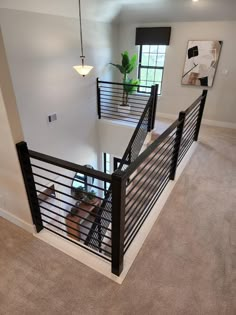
column 130, row 89
column 119, row 67
column 130, row 68
column 125, row 60
column 133, row 60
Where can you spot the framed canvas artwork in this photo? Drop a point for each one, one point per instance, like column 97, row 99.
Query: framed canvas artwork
column 201, row 62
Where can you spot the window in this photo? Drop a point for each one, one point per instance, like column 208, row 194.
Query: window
column 80, row 180
column 107, row 167
column 151, row 66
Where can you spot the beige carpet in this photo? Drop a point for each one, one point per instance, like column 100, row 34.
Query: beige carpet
column 186, row 266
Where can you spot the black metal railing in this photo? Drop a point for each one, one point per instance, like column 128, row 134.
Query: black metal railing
column 108, row 227
column 143, row 181
column 148, row 176
column 111, row 98
column 55, row 207
column 192, row 122
column 145, row 125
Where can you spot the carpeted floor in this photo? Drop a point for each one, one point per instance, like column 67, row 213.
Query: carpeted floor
column 186, row 266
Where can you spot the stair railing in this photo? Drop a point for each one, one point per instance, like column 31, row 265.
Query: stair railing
column 133, row 193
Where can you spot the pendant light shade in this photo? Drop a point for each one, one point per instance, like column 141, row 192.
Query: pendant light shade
column 82, row 69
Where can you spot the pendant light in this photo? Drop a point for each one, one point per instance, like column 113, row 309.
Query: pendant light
column 82, row 69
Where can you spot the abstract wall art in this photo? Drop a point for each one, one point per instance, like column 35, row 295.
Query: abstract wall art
column 201, row 62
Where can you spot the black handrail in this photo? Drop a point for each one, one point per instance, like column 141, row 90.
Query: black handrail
column 126, row 84
column 69, row 165
column 142, row 157
column 149, row 107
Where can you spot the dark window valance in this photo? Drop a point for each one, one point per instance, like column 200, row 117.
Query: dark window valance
column 153, row 36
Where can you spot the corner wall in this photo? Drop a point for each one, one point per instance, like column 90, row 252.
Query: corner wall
column 42, row 50
column 221, row 101
column 13, row 200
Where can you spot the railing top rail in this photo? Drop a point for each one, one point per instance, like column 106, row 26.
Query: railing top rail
column 118, row 83
column 195, row 103
column 143, row 156
column 69, row 166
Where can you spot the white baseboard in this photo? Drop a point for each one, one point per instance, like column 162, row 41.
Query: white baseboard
column 82, row 255
column 167, row 116
column 17, row 221
column 207, row 122
column 100, row 265
column 220, row 124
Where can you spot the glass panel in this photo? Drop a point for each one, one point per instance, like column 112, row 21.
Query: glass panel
column 151, row 75
column 161, row 49
column 160, row 60
column 107, row 157
column 153, row 49
column 80, row 177
column 145, row 58
column 158, row 75
column 159, row 87
column 152, row 60
column 143, row 74
column 107, row 186
column 145, row 48
column 143, row 83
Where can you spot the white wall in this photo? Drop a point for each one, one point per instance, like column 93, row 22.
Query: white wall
column 13, row 200
column 222, row 97
column 113, row 137
column 41, row 51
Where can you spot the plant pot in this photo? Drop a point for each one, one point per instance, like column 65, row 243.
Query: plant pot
column 124, row 111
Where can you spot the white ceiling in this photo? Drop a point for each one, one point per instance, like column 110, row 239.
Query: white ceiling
column 136, row 11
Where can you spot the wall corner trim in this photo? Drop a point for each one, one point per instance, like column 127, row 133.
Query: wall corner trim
column 206, row 122
column 17, row 221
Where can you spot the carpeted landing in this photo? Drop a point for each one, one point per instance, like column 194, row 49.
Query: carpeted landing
column 186, row 266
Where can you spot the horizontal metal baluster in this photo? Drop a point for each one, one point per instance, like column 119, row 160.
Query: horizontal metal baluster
column 70, row 196
column 76, row 215
column 64, row 224
column 67, row 177
column 59, row 183
column 161, row 166
column 66, row 218
column 148, row 162
column 150, row 184
column 57, row 227
column 141, row 213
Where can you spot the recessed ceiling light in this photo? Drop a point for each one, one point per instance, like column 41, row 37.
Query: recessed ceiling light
column 195, row 0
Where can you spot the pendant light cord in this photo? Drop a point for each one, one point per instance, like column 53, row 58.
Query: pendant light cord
column 81, row 35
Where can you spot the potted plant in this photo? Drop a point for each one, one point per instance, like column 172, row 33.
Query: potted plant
column 90, row 196
column 81, row 194
column 130, row 85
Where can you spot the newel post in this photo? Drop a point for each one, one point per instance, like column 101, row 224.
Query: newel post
column 178, row 139
column 200, row 114
column 24, row 159
column 118, row 221
column 98, row 99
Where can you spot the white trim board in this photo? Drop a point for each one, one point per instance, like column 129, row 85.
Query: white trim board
column 154, row 214
column 82, row 255
column 17, row 221
column 100, row 265
column 207, row 122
